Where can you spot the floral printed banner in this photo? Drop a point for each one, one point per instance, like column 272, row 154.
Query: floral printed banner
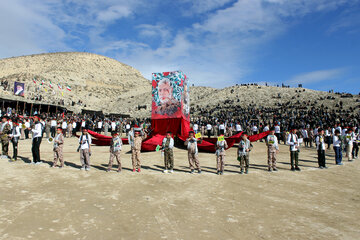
column 168, row 94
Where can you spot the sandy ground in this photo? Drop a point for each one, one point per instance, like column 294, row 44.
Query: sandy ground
column 37, row 202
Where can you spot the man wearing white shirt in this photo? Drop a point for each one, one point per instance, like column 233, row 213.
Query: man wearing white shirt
column 99, row 126
column 53, row 125
column 14, row 136
column 208, row 128
column 64, row 127
column 127, row 127
column 238, row 128
column 36, row 141
column 305, row 135
column 277, row 133
column 27, row 126
column 328, row 137
column 74, row 124
column 266, row 128
column 222, row 129
column 83, row 124
column 293, row 141
column 320, row 146
column 196, row 128
column 254, row 129
column 113, row 126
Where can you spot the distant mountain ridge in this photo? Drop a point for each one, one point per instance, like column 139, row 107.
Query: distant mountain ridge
column 105, row 84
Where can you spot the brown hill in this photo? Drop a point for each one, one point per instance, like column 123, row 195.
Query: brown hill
column 101, row 83
column 105, row 84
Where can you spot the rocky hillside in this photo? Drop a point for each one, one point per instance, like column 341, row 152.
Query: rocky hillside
column 101, row 83
column 98, row 82
column 269, row 96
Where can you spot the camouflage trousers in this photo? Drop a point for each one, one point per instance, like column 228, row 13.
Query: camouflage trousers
column 115, row 155
column 58, row 156
column 244, row 161
column 135, row 157
column 5, row 147
column 193, row 161
column 272, row 159
column 220, row 162
column 169, row 159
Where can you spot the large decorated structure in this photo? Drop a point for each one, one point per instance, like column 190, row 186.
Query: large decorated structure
column 170, row 103
column 171, row 113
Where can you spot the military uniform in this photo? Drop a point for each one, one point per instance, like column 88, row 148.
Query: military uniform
column 58, row 150
column 136, row 151
column 193, row 154
column 168, row 145
column 115, row 149
column 5, row 130
column 243, row 155
column 220, row 155
column 273, row 147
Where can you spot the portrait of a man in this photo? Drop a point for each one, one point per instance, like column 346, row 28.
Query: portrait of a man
column 19, row 89
column 168, row 104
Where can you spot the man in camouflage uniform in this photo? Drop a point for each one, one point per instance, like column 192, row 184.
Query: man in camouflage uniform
column 115, row 149
column 273, row 149
column 136, row 142
column 167, row 148
column 4, row 131
column 191, row 143
column 58, row 148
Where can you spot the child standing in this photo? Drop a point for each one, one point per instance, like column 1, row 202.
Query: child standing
column 58, row 148
column 220, row 155
column 115, row 149
column 167, row 148
column 243, row 153
column 84, row 148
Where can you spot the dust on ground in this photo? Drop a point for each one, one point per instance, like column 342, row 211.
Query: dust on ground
column 38, row 202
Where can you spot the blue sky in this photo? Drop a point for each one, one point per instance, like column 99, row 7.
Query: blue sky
column 216, row 43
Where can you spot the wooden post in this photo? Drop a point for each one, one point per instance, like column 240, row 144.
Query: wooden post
column 17, row 106
column 31, row 107
column 48, row 109
column 39, row 109
column 24, row 108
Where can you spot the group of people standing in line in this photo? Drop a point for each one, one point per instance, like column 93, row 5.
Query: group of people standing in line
column 343, row 139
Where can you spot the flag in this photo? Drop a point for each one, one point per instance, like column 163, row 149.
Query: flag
column 34, row 80
column 45, row 89
column 59, row 86
column 68, row 87
column 62, row 93
column 50, row 85
column 42, row 82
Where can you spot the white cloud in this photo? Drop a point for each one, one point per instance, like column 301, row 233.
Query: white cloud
column 204, row 6
column 26, row 30
column 114, row 13
column 218, row 50
column 317, row 76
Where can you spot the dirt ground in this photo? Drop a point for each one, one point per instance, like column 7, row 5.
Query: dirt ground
column 38, row 202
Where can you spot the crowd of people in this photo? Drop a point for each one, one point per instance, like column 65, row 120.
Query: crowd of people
column 297, row 127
